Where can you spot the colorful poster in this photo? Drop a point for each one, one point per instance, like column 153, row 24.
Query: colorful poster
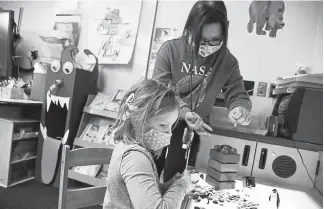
column 112, row 30
column 161, row 35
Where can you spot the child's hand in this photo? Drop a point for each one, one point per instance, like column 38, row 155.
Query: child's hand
column 187, row 177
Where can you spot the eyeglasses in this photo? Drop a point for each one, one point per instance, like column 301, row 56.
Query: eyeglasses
column 212, row 42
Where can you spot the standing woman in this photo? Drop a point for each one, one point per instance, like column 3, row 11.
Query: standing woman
column 199, row 66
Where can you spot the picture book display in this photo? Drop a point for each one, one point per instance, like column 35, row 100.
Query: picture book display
column 100, row 101
column 115, row 101
column 98, row 134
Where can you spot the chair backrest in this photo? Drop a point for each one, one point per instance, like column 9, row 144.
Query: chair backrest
column 84, row 197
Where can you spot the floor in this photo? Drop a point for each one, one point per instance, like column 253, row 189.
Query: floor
column 30, row 195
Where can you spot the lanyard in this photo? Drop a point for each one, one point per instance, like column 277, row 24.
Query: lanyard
column 199, row 90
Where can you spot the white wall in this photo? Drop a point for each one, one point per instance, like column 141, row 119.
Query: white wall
column 39, row 15
column 262, row 58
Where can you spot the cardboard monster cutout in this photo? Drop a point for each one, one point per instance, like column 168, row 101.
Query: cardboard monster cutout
column 67, row 89
column 267, row 16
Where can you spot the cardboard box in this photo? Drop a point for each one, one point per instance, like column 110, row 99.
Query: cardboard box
column 221, row 176
column 38, row 87
column 224, row 158
column 223, row 167
column 219, row 185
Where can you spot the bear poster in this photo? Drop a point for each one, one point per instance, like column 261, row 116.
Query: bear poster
column 267, row 16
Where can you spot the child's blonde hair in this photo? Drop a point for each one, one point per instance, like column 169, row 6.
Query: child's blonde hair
column 146, row 99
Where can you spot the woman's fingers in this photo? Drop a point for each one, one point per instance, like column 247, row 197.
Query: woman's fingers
column 232, row 120
column 205, row 126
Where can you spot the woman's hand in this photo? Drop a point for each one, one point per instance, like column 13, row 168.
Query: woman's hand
column 195, row 122
column 186, row 176
column 240, row 115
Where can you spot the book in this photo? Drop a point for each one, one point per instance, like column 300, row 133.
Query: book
column 109, row 137
column 89, row 170
column 102, row 174
column 100, row 101
column 94, row 133
column 113, row 104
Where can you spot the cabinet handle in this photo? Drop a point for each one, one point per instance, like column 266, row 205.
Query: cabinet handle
column 246, row 155
column 318, row 167
column 263, row 158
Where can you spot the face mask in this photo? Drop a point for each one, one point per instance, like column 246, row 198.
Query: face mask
column 206, row 50
column 156, row 140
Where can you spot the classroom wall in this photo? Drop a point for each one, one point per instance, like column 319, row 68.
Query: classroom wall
column 40, row 15
column 262, row 58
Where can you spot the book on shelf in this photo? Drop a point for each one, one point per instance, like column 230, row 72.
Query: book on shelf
column 113, row 104
column 103, row 172
column 109, row 137
column 89, row 170
column 94, row 133
column 100, row 101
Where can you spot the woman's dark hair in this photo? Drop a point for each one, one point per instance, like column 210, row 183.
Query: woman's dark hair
column 201, row 13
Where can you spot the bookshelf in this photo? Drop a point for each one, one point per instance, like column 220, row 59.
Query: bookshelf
column 98, row 117
column 18, row 142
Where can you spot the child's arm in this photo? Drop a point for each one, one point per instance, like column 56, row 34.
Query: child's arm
column 165, row 186
column 142, row 185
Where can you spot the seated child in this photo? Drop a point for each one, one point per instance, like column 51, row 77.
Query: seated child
column 146, row 116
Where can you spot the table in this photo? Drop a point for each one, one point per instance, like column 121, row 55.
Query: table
column 259, row 196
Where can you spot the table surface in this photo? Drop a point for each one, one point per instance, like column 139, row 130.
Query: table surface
column 258, row 195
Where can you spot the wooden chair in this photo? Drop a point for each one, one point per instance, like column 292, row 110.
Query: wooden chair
column 84, row 197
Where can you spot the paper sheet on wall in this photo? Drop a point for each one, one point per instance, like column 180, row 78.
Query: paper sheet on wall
column 161, row 35
column 69, row 24
column 112, row 30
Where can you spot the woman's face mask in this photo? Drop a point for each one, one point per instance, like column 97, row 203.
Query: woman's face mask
column 156, row 140
column 206, row 50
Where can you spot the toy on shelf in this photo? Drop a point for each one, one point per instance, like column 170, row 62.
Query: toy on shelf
column 222, row 167
column 67, row 87
column 14, row 89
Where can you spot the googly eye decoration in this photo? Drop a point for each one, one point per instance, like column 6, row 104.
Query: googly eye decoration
column 68, row 67
column 55, row 66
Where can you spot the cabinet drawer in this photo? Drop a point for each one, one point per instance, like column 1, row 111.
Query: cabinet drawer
column 283, row 165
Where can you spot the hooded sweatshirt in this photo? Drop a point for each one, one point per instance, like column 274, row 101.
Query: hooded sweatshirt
column 207, row 77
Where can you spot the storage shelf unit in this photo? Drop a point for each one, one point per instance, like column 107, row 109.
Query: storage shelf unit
column 18, row 142
column 98, row 117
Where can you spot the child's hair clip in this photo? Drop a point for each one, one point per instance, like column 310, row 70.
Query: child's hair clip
column 130, row 98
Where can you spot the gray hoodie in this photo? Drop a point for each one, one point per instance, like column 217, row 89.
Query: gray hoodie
column 219, row 71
